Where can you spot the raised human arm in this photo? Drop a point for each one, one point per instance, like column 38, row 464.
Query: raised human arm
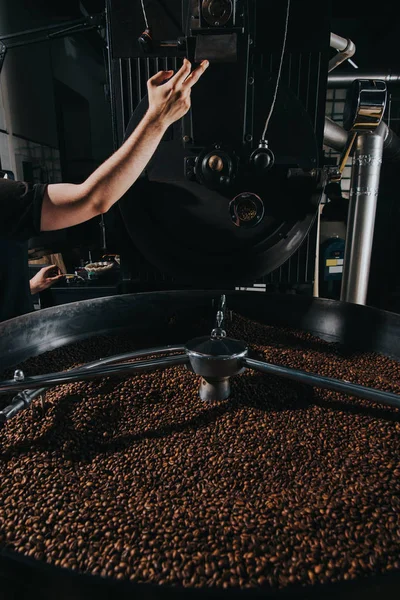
column 66, row 204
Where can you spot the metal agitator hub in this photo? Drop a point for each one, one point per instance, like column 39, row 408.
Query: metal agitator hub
column 216, row 358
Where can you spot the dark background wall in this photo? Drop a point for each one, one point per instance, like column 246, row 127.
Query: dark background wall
column 76, row 121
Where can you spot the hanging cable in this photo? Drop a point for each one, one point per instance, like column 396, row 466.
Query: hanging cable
column 279, row 72
column 145, row 15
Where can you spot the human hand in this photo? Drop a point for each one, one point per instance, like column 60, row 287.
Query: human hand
column 169, row 97
column 45, row 278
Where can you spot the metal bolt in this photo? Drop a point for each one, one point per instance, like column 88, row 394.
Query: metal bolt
column 217, row 146
column 250, row 41
column 251, row 80
column 186, row 138
column 19, row 375
column 215, row 163
column 249, row 137
column 217, row 23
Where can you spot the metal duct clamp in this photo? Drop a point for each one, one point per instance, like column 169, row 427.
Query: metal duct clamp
column 363, row 112
column 365, row 105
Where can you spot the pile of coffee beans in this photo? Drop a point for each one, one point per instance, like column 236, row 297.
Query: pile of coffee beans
column 138, row 479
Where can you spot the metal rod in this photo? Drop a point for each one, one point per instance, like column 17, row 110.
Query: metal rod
column 353, row 389
column 20, row 402
column 361, row 218
column 49, row 37
column 110, row 76
column 110, row 360
column 219, row 325
column 220, row 318
column 82, row 374
column 339, row 79
column 75, row 22
column 346, row 153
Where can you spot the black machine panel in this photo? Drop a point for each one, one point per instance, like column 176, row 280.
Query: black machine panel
column 218, row 203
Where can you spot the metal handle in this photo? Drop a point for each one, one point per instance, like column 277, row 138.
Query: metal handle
column 82, row 374
column 328, row 383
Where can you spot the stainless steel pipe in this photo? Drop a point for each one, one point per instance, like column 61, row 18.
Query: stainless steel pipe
column 338, row 79
column 345, row 47
column 325, row 383
column 338, row 42
column 364, row 190
column 335, row 136
column 25, row 397
column 82, row 374
column 391, row 143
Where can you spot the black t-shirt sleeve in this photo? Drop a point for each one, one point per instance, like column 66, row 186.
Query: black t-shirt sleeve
column 20, row 209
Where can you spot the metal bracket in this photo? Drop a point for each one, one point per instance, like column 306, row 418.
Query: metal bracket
column 365, row 105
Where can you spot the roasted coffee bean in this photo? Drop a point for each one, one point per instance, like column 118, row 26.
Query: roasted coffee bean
column 138, row 479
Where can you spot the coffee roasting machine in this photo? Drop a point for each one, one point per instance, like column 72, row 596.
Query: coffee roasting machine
column 232, row 191
column 231, row 195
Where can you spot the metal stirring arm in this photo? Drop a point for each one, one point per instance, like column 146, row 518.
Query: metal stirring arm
column 25, row 397
column 82, row 374
column 327, row 383
column 216, row 358
column 99, row 368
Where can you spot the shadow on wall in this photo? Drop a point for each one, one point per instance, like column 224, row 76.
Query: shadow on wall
column 74, row 133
